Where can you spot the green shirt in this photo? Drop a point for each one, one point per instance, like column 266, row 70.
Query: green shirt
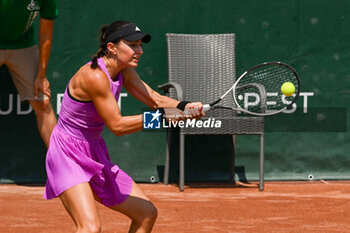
column 16, row 21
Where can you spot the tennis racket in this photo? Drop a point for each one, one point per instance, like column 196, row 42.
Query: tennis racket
column 258, row 90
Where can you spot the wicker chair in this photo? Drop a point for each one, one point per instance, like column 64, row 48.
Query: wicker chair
column 201, row 68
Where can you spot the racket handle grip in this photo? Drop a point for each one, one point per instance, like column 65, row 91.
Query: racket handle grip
column 206, row 107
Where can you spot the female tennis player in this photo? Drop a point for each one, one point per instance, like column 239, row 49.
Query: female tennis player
column 79, row 170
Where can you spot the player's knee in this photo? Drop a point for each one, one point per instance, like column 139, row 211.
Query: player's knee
column 153, row 213
column 148, row 216
column 91, row 227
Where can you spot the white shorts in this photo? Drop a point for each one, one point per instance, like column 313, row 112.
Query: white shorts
column 23, row 67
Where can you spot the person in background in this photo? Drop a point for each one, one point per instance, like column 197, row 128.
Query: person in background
column 26, row 61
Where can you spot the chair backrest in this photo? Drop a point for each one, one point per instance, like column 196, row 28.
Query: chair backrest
column 204, row 65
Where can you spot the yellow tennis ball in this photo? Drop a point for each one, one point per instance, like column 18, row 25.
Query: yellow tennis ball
column 288, row 88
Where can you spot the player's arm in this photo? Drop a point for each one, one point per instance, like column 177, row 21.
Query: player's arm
column 141, row 91
column 96, row 86
column 45, row 40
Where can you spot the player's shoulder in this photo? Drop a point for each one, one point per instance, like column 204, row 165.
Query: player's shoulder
column 93, row 75
column 94, row 79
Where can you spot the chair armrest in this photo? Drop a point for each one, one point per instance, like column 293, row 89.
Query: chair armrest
column 178, row 89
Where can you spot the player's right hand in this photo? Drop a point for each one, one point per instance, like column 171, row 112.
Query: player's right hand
column 43, row 85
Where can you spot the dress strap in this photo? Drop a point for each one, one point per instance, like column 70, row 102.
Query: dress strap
column 102, row 65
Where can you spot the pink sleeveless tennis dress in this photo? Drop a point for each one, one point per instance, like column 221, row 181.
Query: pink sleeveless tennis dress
column 77, row 152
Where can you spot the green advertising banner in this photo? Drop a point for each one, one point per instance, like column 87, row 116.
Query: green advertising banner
column 311, row 141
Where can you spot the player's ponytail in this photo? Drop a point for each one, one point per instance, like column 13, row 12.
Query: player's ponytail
column 102, row 50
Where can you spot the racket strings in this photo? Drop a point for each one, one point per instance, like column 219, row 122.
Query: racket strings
column 259, row 90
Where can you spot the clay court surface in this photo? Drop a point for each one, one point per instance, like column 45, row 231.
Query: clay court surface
column 319, row 206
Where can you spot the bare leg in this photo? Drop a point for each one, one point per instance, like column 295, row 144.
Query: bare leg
column 45, row 118
column 80, row 203
column 139, row 209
